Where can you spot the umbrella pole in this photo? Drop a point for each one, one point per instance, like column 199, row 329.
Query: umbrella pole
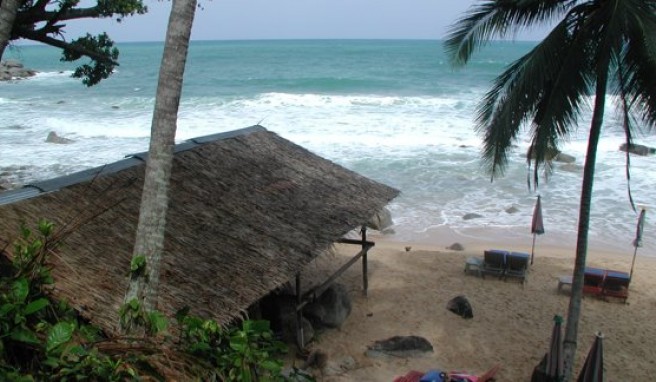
column 533, row 248
column 635, row 252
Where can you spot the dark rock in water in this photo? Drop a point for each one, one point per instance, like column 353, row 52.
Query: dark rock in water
column 456, row 247
column 471, row 215
column 401, row 346
column 13, row 69
column 637, row 149
column 512, row 210
column 54, row 138
column 381, row 220
column 331, row 308
column 564, row 158
column 460, row 306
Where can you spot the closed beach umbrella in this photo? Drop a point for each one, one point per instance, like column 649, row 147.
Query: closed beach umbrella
column 638, row 239
column 554, row 366
column 593, row 369
column 551, row 368
column 537, row 225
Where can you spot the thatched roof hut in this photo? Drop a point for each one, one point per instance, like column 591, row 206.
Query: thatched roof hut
column 248, row 210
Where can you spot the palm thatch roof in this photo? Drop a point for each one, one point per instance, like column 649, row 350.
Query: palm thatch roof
column 248, row 210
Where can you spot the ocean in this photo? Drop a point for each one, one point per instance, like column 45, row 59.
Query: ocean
column 394, row 111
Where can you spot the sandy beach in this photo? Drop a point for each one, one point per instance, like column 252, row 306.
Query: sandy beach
column 409, row 290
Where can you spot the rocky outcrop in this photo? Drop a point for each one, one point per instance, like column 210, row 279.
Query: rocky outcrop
column 331, row 308
column 13, row 69
column 54, row 138
column 400, row 346
column 381, row 220
column 460, row 306
column 556, row 156
column 637, row 149
column 471, row 215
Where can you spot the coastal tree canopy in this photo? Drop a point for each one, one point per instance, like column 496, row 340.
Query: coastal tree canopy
column 44, row 21
column 597, row 47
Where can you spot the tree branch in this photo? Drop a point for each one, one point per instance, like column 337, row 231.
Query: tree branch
column 36, row 36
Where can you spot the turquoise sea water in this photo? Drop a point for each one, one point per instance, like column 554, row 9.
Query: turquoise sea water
column 394, row 111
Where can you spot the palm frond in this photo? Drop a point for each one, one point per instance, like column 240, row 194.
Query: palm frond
column 487, row 19
column 548, row 85
column 638, row 63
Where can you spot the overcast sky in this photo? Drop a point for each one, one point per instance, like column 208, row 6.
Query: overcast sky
column 293, row 19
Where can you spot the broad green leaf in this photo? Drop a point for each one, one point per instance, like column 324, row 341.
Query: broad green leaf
column 134, row 304
column 24, row 335
column 5, row 309
column 45, row 227
column 246, row 375
column 59, row 334
column 158, row 321
column 271, row 365
column 35, row 306
column 20, row 289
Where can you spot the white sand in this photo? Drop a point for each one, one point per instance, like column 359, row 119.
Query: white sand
column 408, row 293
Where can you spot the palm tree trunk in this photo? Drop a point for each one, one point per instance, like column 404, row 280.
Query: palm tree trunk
column 8, row 10
column 574, row 310
column 149, row 240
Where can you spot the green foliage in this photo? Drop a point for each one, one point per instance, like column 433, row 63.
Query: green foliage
column 44, row 340
column 131, row 314
column 34, row 23
column 40, row 340
column 98, row 69
column 246, row 353
column 138, row 265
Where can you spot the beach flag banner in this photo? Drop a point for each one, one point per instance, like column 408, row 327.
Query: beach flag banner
column 537, row 225
column 637, row 242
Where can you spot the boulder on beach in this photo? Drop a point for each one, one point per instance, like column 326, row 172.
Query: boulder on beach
column 381, row 220
column 400, row 346
column 460, row 306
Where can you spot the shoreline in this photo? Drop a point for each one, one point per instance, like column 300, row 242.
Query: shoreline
column 408, row 292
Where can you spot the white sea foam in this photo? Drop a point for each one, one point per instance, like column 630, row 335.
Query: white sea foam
column 424, row 146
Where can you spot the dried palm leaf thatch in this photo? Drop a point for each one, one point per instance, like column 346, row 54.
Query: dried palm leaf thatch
column 248, row 209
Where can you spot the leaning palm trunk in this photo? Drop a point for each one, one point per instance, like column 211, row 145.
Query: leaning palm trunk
column 8, row 10
column 574, row 310
column 149, row 240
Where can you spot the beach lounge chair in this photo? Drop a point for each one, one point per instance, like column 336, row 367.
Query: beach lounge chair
column 593, row 280
column 411, row 376
column 494, row 262
column 616, row 284
column 516, row 265
column 462, row 376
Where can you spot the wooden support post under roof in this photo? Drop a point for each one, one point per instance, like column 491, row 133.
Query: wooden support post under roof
column 365, row 279
column 300, row 341
column 311, row 295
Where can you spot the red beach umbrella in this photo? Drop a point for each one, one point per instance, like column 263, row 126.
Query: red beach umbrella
column 637, row 242
column 537, row 225
column 593, row 369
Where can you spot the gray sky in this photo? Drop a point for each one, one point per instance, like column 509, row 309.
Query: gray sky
column 293, row 19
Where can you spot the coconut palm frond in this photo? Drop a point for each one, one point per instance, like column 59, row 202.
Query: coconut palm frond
column 638, row 63
column 524, row 91
column 497, row 18
column 623, row 105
